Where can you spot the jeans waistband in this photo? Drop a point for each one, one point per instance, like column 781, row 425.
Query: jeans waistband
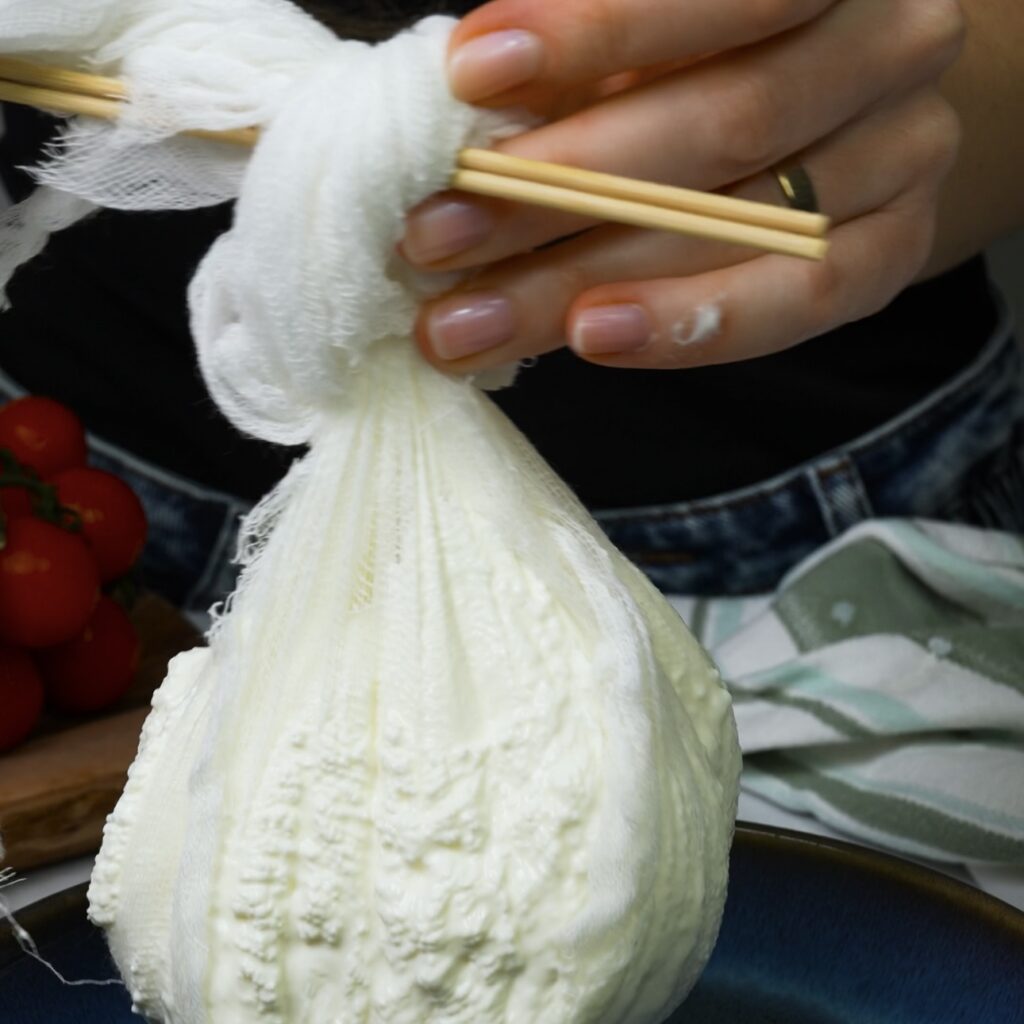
column 957, row 448
column 917, row 464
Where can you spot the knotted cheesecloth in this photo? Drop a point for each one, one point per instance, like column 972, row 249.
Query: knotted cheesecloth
column 448, row 757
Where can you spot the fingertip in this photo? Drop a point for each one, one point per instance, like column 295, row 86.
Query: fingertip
column 468, row 332
column 612, row 329
column 457, row 367
column 489, row 65
column 647, row 326
column 444, row 229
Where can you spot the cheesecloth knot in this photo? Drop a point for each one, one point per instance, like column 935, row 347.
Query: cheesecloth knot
column 288, row 304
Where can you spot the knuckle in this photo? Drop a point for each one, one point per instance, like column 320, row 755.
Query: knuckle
column 770, row 16
column 570, row 280
column 918, row 256
column 945, row 133
column 919, row 241
column 822, row 291
column 550, row 289
column 747, row 127
column 936, row 133
column 573, row 143
column 938, row 30
column 604, row 34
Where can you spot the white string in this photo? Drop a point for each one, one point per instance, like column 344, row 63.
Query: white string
column 8, row 878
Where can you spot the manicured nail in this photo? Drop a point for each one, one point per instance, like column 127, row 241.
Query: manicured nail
column 490, row 64
column 443, row 227
column 467, row 324
column 603, row 330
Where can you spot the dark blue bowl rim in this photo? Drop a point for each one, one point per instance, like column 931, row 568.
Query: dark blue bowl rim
column 870, row 863
column 43, row 917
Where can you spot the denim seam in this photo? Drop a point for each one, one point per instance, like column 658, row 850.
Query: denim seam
column 824, row 507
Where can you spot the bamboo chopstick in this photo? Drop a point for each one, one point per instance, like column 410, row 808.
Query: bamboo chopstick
column 78, row 92
column 708, row 204
column 60, row 102
column 62, row 79
column 485, row 172
column 624, row 211
column 64, row 91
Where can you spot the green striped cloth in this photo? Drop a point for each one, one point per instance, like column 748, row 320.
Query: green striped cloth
column 881, row 687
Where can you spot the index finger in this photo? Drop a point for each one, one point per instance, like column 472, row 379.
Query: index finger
column 524, row 52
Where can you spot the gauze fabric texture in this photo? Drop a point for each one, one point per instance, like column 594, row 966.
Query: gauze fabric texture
column 448, row 757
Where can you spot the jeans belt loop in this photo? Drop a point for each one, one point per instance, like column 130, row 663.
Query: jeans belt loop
column 842, row 498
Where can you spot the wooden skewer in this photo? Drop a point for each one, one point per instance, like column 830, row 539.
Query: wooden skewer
column 686, row 200
column 708, row 204
column 62, row 79
column 65, row 91
column 624, row 211
column 59, row 102
column 101, row 107
column 485, row 172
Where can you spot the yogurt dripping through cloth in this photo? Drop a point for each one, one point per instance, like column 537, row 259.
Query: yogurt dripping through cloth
column 447, row 757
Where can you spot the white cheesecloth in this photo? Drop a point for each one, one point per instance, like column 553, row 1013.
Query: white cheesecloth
column 448, row 756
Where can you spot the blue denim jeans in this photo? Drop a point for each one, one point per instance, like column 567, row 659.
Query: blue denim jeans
column 957, row 455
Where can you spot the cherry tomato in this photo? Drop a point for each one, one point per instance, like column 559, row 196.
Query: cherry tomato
column 15, row 502
column 113, row 520
column 21, row 697
column 49, row 584
column 93, row 670
column 43, row 434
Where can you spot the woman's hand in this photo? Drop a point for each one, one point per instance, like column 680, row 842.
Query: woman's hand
column 708, row 94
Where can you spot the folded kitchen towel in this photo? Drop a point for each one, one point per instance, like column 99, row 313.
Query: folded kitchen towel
column 881, row 687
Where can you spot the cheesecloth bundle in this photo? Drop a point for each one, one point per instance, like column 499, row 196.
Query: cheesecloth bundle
column 448, row 757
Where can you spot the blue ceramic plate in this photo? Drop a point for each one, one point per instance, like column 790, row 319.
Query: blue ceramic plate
column 815, row 932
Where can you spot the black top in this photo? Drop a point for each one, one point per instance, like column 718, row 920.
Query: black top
column 99, row 322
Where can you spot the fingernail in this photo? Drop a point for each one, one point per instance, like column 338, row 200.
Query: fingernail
column 603, row 330
column 443, row 227
column 467, row 324
column 490, row 64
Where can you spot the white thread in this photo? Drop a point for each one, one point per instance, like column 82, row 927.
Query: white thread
column 25, row 941
column 29, row 948
column 8, row 876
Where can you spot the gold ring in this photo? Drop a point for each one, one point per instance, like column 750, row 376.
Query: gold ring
column 797, row 187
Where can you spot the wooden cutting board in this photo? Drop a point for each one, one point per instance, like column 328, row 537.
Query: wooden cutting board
column 57, row 789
